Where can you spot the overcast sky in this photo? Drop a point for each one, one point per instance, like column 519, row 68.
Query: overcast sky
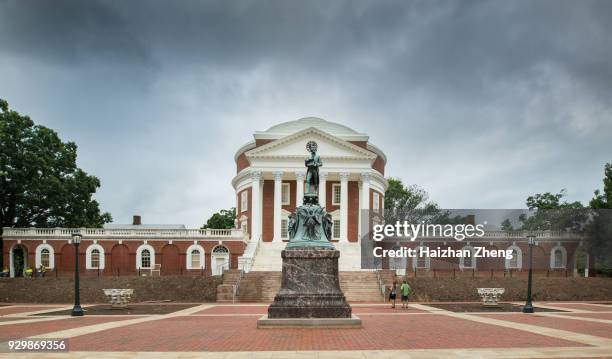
column 482, row 103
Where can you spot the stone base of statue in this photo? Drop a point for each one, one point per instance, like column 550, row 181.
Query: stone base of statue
column 310, row 294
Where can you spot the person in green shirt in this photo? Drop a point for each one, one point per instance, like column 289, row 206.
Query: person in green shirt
column 405, row 289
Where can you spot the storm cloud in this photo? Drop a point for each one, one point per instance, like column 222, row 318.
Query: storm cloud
column 480, row 102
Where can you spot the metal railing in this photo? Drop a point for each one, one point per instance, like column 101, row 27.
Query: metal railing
column 381, row 283
column 236, row 288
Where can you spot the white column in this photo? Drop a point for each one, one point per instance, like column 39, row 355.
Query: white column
column 364, row 213
column 322, row 188
column 278, row 201
column 255, row 207
column 299, row 186
column 344, row 206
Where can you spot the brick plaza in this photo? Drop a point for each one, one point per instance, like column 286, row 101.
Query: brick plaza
column 229, row 331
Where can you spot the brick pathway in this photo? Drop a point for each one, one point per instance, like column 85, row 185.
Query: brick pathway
column 419, row 332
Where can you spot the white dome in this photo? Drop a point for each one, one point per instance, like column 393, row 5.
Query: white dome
column 287, row 128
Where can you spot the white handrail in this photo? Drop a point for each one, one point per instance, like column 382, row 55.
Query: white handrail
column 233, row 233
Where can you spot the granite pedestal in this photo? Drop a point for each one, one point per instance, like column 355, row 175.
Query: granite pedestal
column 310, row 294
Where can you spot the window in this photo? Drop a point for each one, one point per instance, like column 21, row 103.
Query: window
column 44, row 257
column 286, row 193
column 421, row 261
column 375, row 201
column 516, row 262
column 195, row 258
column 284, row 229
column 145, row 259
column 220, row 250
column 557, row 257
column 467, row 261
column 244, row 201
column 336, row 228
column 95, row 258
column 336, row 194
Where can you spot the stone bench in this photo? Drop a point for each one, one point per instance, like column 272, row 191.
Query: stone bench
column 119, row 298
column 490, row 296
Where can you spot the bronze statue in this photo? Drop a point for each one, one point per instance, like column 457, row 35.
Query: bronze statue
column 313, row 163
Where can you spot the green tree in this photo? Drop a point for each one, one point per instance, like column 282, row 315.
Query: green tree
column 40, row 183
column 506, row 225
column 600, row 228
column 408, row 203
column 224, row 219
column 549, row 212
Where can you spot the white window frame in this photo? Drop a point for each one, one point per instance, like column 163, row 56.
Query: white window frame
column 563, row 257
column 415, row 259
column 519, row 257
column 285, row 233
column 244, row 201
column 139, row 256
column 192, row 248
column 39, row 257
column 336, row 188
column 88, row 251
column 286, row 188
column 375, row 201
column 462, row 259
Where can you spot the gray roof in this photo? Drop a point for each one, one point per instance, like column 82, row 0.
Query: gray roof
column 144, row 226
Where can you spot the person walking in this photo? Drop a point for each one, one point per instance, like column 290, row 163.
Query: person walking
column 405, row 289
column 393, row 294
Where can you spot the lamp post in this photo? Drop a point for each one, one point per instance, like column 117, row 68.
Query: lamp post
column 77, row 311
column 528, row 308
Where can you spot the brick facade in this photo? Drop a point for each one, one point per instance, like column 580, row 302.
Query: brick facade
column 120, row 258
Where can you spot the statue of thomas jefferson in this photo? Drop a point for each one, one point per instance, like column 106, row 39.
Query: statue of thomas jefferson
column 313, row 163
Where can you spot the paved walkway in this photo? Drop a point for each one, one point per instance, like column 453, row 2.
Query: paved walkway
column 229, row 331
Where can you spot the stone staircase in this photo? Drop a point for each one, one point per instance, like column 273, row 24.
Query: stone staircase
column 268, row 256
column 262, row 286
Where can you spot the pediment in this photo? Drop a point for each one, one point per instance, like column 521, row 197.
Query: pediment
column 294, row 146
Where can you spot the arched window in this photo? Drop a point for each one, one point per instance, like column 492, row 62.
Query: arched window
column 145, row 257
column 45, row 256
column 195, row 257
column 558, row 257
column 516, row 261
column 94, row 257
column 220, row 250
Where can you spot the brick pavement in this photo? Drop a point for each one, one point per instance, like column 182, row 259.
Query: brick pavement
column 420, row 332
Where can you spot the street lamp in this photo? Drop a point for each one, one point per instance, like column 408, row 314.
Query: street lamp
column 77, row 311
column 528, row 308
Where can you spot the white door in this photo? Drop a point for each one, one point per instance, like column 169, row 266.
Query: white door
column 219, row 262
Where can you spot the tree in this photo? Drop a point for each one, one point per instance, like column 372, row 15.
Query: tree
column 549, row 212
column 411, row 204
column 224, row 219
column 506, row 225
column 40, row 183
column 600, row 228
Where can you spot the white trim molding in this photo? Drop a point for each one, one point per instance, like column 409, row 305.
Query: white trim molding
column 139, row 256
column 191, row 248
column 558, row 247
column 38, row 260
column 519, row 258
column 88, row 256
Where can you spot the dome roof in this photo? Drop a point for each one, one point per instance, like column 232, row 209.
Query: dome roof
column 287, row 128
